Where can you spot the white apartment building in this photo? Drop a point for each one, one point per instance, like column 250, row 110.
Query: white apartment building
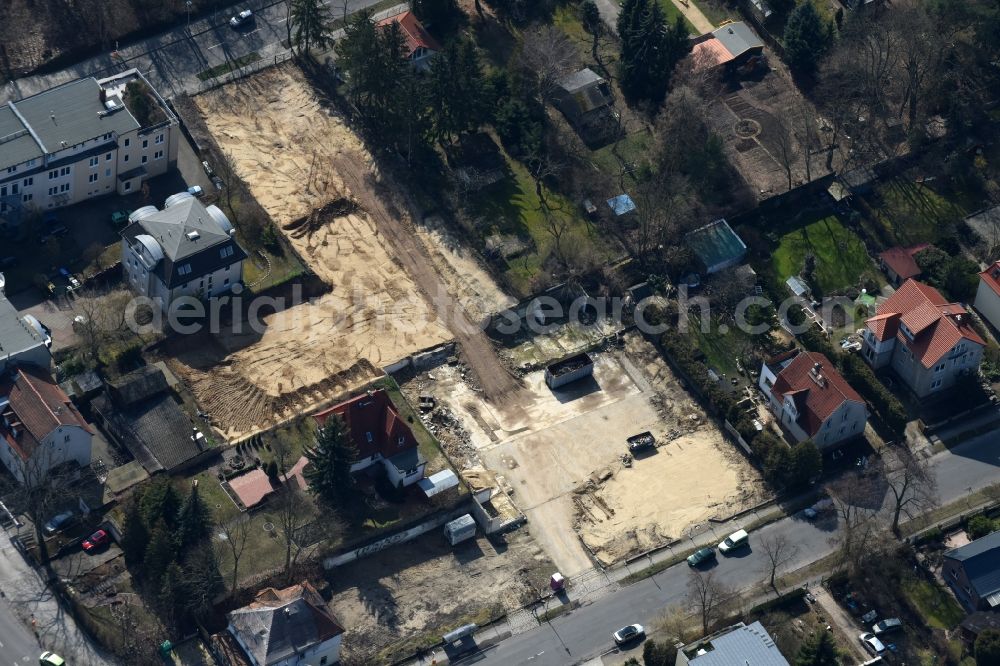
column 80, row 140
column 186, row 249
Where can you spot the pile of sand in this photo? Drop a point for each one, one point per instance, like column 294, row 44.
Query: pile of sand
column 291, row 150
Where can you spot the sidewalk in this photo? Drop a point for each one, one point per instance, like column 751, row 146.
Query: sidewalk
column 28, row 596
column 694, row 15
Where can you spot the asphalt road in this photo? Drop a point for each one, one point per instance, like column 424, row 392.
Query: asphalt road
column 586, row 632
column 173, row 59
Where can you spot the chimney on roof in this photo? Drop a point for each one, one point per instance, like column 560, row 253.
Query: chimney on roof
column 104, row 95
column 52, row 115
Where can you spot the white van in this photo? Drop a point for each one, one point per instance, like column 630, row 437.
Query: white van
column 737, row 539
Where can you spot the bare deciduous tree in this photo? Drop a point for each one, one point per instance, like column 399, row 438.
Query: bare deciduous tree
column 546, row 55
column 100, row 318
column 779, row 551
column 707, row 597
column 233, row 537
column 857, row 499
column 291, row 513
column 912, row 488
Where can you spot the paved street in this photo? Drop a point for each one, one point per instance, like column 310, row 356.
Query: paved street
column 173, row 59
column 25, row 595
column 586, row 632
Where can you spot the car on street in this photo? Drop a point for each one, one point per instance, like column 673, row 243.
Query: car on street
column 630, row 633
column 59, row 521
column 701, row 555
column 241, row 19
column 50, row 659
column 196, row 191
column 737, row 539
column 872, row 644
column 96, row 540
column 887, row 626
column 208, row 169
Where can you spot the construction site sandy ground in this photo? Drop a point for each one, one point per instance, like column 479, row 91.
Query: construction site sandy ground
column 426, row 587
column 394, row 291
column 561, row 454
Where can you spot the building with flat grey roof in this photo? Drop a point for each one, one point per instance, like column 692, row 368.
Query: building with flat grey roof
column 186, row 249
column 83, row 139
column 732, row 646
column 22, row 339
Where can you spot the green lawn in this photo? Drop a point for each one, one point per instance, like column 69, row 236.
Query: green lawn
column 840, row 255
column 938, row 608
column 632, row 149
column 911, row 213
column 512, row 208
column 671, row 12
column 276, row 269
column 720, row 348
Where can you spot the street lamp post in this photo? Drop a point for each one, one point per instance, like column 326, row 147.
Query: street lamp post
column 187, row 5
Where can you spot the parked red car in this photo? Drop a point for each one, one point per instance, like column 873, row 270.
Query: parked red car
column 96, row 540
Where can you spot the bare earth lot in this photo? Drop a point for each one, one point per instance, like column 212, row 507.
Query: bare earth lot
column 426, row 587
column 561, row 454
column 291, row 152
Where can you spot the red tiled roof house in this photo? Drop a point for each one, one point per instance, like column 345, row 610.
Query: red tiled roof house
column 928, row 342
column 39, row 426
column 988, row 294
column 900, row 264
column 419, row 45
column 811, row 399
column 381, row 436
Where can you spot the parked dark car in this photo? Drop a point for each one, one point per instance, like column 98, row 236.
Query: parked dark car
column 701, row 555
column 59, row 522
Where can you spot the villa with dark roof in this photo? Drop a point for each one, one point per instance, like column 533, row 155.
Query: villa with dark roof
column 381, row 436
column 972, row 572
column 287, row 627
column 811, row 400
column 927, row 341
column 140, row 413
column 83, row 139
column 40, row 428
column 186, row 249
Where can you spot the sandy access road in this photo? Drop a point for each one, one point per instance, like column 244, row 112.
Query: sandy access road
column 387, row 300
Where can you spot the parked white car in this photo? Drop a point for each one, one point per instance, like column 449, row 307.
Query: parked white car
column 737, row 539
column 872, row 644
column 241, row 18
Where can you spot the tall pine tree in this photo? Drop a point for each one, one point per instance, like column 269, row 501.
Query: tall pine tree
column 819, row 651
column 806, row 39
column 650, row 49
column 136, row 535
column 329, row 471
column 194, row 522
column 160, row 553
column 160, row 502
column 310, row 21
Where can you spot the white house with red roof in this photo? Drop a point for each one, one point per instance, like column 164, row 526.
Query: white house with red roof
column 420, row 46
column 927, row 341
column 380, row 435
column 39, row 426
column 900, row 263
column 811, row 399
column 988, row 294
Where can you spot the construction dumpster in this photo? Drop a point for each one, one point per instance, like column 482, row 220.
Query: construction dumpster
column 569, row 370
